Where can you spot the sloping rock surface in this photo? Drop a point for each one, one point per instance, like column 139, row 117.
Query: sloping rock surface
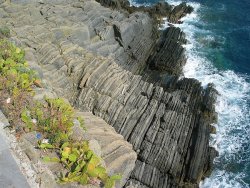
column 91, row 53
column 117, row 154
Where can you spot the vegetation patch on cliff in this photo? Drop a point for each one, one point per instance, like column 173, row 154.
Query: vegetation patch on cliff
column 52, row 119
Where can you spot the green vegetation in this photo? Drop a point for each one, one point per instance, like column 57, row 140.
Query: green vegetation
column 53, row 119
column 4, row 32
column 16, row 81
column 82, row 164
column 16, row 77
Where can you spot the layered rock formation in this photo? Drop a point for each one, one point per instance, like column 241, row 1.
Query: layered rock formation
column 159, row 10
column 169, row 55
column 117, row 154
column 91, row 55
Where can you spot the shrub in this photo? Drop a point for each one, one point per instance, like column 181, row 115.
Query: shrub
column 4, row 32
column 16, row 80
column 53, row 118
column 83, row 165
column 16, row 76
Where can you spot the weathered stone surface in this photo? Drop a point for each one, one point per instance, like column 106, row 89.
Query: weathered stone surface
column 15, row 168
column 169, row 55
column 10, row 173
column 158, row 10
column 179, row 11
column 117, row 154
column 168, row 127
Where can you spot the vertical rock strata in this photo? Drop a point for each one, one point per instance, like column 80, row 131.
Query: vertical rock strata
column 91, row 55
column 169, row 55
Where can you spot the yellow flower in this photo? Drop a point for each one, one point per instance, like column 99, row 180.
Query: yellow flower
column 67, row 150
column 18, row 50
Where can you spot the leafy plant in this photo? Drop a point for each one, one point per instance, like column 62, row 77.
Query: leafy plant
column 16, row 76
column 83, row 165
column 81, row 121
column 27, row 119
column 10, row 51
column 4, row 31
column 16, row 80
column 52, row 118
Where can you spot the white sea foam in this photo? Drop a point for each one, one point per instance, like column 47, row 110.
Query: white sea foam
column 232, row 106
column 222, row 179
column 134, row 3
column 233, row 127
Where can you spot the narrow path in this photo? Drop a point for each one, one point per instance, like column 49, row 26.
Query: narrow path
column 10, row 174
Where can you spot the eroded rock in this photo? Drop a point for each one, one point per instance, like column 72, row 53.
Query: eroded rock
column 168, row 127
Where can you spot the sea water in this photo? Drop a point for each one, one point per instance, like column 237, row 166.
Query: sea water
column 218, row 52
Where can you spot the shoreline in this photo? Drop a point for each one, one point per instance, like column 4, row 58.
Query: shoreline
column 157, row 112
column 228, row 143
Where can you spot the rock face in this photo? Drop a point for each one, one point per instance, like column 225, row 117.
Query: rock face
column 169, row 55
column 117, row 154
column 159, row 10
column 91, row 54
column 179, row 11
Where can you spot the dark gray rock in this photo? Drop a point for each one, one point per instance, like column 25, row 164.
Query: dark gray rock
column 169, row 55
column 179, row 11
column 157, row 11
column 168, row 126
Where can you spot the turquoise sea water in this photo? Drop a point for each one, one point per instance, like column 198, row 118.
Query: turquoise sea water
column 219, row 52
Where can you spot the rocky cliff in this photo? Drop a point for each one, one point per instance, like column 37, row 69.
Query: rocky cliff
column 93, row 54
